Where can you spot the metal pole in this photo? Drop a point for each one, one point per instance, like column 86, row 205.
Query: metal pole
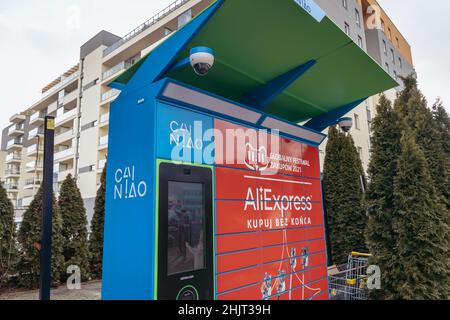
column 47, row 210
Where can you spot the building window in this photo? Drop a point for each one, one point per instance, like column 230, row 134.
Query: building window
column 382, row 25
column 384, row 47
column 392, row 56
column 357, row 124
column 389, row 34
column 89, row 125
column 395, row 75
column 347, row 29
column 387, row 68
column 87, row 169
column 360, row 41
column 398, row 42
column 184, row 18
column 344, row 4
column 358, row 18
column 400, row 62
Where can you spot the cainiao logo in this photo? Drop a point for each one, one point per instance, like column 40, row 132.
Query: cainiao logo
column 185, row 136
column 257, row 158
column 126, row 185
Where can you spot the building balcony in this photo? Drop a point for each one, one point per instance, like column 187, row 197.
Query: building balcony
column 63, row 155
column 17, row 118
column 52, row 107
column 32, row 167
column 70, row 97
column 146, row 25
column 103, row 142
column 13, row 158
column 37, row 118
column 35, row 133
column 104, row 119
column 109, row 96
column 66, row 117
column 11, row 187
column 32, row 183
column 108, row 74
column 12, row 173
column 64, row 135
column 14, row 144
column 16, row 130
column 64, row 82
column 33, row 150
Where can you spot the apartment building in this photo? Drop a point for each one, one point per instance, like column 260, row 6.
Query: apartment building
column 368, row 25
column 80, row 98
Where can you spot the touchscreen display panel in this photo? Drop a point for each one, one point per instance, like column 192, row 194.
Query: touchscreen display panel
column 186, row 227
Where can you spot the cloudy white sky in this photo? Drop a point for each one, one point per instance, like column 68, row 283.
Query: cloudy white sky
column 40, row 39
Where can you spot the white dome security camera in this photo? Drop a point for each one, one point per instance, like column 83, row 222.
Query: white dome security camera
column 202, row 60
column 346, row 124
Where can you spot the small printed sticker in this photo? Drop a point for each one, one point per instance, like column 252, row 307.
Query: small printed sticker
column 51, row 124
column 312, row 9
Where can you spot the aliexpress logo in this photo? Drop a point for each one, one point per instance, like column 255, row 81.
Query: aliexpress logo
column 261, row 199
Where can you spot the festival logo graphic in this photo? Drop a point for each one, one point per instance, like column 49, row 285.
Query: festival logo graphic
column 257, row 158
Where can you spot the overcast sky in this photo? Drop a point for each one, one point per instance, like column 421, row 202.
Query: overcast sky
column 41, row 39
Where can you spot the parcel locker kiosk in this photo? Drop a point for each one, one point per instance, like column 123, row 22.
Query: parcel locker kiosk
column 185, row 219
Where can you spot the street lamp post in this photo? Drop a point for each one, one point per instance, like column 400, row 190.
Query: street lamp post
column 47, row 211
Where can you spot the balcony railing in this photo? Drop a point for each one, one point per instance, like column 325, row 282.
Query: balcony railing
column 32, row 182
column 15, row 128
column 147, row 24
column 110, row 94
column 116, row 69
column 61, row 84
column 32, row 165
column 11, row 186
column 64, row 154
column 33, row 149
column 103, row 141
column 104, row 118
column 67, row 115
column 12, row 157
column 63, row 130
column 17, row 142
column 10, row 172
column 35, row 132
column 37, row 115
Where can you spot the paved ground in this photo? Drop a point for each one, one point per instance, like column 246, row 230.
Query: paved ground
column 89, row 291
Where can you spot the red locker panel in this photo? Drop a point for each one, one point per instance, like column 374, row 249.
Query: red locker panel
column 270, row 239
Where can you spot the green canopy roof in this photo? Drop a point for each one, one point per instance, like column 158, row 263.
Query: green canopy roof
column 256, row 41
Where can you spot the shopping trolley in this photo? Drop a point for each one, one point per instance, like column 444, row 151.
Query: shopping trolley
column 349, row 282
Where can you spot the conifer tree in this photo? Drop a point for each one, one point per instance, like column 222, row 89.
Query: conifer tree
column 442, row 126
column 442, row 120
column 29, row 240
column 8, row 252
column 97, row 229
column 74, row 227
column 381, row 234
column 422, row 229
column 344, row 198
column 418, row 118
